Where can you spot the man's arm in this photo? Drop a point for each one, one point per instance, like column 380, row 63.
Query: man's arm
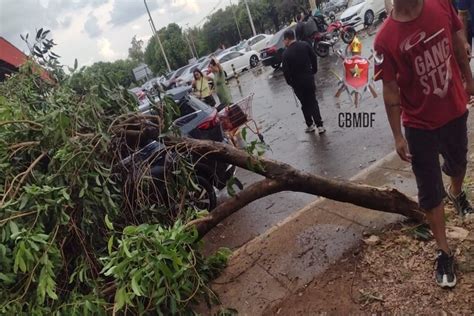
column 391, row 96
column 463, row 16
column 459, row 44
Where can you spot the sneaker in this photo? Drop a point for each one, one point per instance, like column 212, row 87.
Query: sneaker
column 310, row 129
column 321, row 130
column 444, row 273
column 460, row 203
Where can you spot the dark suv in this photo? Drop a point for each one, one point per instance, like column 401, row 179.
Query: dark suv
column 272, row 55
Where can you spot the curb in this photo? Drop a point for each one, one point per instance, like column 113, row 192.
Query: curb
column 361, row 174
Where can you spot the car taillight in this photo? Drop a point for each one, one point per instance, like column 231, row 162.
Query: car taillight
column 209, row 122
column 271, row 50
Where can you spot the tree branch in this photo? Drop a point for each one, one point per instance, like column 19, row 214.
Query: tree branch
column 286, row 178
column 251, row 193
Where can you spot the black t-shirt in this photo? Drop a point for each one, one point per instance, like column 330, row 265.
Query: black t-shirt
column 299, row 63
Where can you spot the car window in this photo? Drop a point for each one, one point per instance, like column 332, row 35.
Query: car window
column 234, row 55
column 224, row 58
column 278, row 37
column 259, row 38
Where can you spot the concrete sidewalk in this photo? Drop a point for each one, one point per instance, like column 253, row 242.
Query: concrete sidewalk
column 294, row 252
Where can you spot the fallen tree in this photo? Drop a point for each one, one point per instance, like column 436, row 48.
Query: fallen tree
column 283, row 177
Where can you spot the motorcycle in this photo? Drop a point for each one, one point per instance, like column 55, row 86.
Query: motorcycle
column 323, row 41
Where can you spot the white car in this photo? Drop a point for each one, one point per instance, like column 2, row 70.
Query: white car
column 187, row 76
column 240, row 60
column 259, row 42
column 363, row 12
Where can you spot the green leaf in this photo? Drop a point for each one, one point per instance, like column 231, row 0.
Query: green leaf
column 38, row 34
column 244, row 134
column 108, row 223
column 120, row 299
column 75, row 63
column 13, row 228
column 129, row 230
column 19, row 261
column 110, row 244
column 135, row 287
column 6, row 278
column 230, row 186
column 125, row 249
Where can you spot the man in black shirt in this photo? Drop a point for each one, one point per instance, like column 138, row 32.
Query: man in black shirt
column 299, row 66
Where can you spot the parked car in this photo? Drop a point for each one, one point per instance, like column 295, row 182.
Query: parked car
column 142, row 99
column 259, row 42
column 196, row 120
column 241, row 61
column 272, row 54
column 334, row 6
column 171, row 82
column 363, row 12
column 187, row 77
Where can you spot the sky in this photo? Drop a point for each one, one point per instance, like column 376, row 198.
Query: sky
column 97, row 30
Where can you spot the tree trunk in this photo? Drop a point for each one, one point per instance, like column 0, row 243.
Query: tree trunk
column 283, row 177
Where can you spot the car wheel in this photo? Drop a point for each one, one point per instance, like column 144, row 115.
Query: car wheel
column 202, row 197
column 276, row 66
column 253, row 61
column 369, row 18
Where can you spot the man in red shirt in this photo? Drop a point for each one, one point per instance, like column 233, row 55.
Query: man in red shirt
column 426, row 80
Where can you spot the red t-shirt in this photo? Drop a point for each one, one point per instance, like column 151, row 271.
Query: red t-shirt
column 419, row 56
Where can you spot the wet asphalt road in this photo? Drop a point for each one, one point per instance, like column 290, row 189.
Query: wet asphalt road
column 340, row 153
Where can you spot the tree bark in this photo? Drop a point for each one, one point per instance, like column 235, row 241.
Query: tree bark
column 283, row 177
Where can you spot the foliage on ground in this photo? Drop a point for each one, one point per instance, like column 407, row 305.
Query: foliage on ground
column 69, row 242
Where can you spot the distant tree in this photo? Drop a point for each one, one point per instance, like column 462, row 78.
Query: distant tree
column 135, row 52
column 175, row 46
column 120, row 71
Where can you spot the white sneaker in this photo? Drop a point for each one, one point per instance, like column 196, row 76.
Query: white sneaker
column 321, row 130
column 310, row 129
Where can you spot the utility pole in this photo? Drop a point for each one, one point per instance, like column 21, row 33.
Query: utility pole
column 192, row 40
column 189, row 44
column 235, row 19
column 157, row 36
column 250, row 18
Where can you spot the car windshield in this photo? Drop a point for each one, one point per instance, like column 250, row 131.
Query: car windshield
column 277, row 37
column 354, row 2
column 180, row 71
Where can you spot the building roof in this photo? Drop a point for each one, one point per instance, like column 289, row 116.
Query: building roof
column 10, row 54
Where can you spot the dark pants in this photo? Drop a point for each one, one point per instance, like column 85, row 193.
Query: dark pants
column 306, row 93
column 425, row 146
